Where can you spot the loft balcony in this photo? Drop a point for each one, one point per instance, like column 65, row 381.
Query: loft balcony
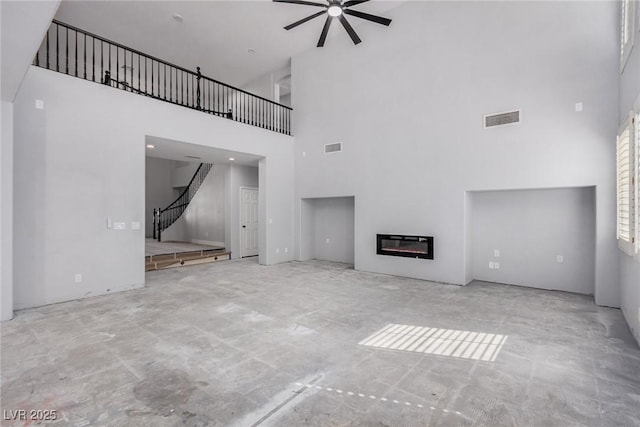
column 75, row 52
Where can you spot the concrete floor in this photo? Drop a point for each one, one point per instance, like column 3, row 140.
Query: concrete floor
column 240, row 344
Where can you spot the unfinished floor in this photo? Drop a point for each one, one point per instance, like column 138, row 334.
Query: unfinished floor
column 240, row 344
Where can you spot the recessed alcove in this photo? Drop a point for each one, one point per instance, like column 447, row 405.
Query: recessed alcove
column 540, row 238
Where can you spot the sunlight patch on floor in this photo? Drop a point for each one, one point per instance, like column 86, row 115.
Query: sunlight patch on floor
column 442, row 342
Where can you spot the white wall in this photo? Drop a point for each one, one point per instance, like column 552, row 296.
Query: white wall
column 264, row 85
column 182, row 172
column 6, row 211
column 159, row 190
column 630, row 268
column 236, row 177
column 23, row 25
column 204, row 219
column 530, row 229
column 81, row 160
column 409, row 109
column 334, row 229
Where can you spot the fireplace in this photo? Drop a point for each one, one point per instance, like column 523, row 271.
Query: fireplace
column 405, row 246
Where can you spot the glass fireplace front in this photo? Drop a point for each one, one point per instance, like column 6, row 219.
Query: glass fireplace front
column 405, row 246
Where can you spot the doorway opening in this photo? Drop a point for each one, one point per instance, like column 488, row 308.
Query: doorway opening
column 248, row 222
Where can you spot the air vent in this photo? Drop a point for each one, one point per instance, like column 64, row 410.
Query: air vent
column 333, row 148
column 501, row 119
column 193, row 157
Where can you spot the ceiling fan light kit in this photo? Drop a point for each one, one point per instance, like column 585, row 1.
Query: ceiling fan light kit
column 335, row 9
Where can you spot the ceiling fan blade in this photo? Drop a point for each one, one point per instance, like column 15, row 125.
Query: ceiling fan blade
column 304, row 3
column 325, row 31
column 349, row 29
column 302, row 21
column 368, row 17
column 353, row 3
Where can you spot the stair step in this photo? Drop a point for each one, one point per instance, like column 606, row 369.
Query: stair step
column 185, row 258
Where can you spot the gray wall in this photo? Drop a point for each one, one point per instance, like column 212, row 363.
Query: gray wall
column 22, row 27
column 630, row 268
column 6, row 211
column 328, row 229
column 203, row 221
column 530, row 229
column 159, row 190
column 415, row 95
column 81, row 160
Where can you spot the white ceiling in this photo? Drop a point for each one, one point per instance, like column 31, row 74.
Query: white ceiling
column 215, row 35
column 176, row 150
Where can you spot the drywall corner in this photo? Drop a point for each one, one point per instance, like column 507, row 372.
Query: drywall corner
column 6, row 211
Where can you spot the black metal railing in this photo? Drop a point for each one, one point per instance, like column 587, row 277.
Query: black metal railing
column 163, row 218
column 75, row 52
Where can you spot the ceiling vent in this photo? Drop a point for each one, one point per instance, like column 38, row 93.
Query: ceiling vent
column 501, row 119
column 333, row 148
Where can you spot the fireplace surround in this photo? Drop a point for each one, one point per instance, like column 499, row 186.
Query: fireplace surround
column 405, row 246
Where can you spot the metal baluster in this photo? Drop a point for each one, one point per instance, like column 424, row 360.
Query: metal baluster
column 131, row 82
column 199, row 76
column 85, row 56
column 66, row 50
column 47, row 59
column 117, row 66
column 124, row 70
column 57, row 47
column 153, row 90
column 139, row 82
column 165, row 81
column 93, row 59
column 187, row 78
column 76, row 51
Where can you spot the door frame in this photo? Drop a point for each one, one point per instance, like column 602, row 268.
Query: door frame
column 240, row 245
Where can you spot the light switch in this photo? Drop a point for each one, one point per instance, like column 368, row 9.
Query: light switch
column 135, row 225
column 496, row 253
column 39, row 104
column 578, row 107
column 119, row 225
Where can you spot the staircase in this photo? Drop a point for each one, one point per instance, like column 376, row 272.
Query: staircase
column 164, row 218
column 180, row 259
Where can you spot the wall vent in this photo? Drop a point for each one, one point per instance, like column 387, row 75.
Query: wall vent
column 501, row 119
column 333, row 148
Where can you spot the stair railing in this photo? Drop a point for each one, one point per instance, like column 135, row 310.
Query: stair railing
column 163, row 218
column 75, row 52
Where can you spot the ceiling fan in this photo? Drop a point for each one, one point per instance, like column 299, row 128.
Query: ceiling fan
column 336, row 9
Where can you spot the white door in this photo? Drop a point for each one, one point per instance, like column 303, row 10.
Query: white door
column 248, row 222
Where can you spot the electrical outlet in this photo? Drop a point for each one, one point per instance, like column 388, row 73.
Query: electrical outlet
column 119, row 225
column 77, row 278
column 286, row 250
column 496, row 253
column 491, row 265
column 560, row 258
column 135, row 225
column 277, row 250
column 327, row 240
column 496, row 265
